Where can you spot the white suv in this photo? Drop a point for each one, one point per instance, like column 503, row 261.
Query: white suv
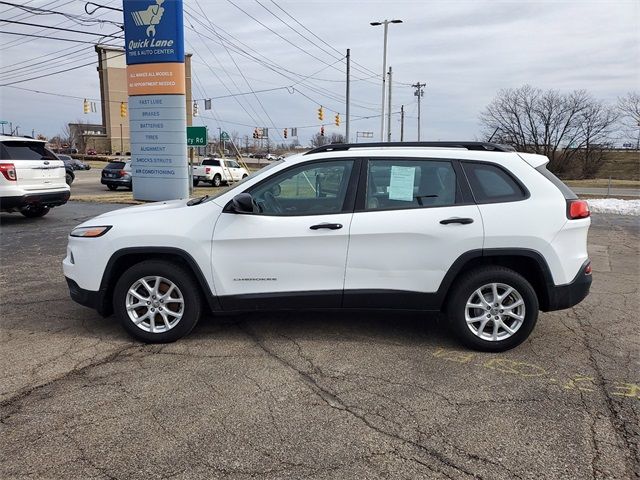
column 486, row 234
column 32, row 178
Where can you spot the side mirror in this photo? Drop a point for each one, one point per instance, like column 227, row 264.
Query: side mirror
column 242, row 203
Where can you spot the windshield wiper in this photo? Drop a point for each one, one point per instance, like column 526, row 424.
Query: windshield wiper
column 197, row 201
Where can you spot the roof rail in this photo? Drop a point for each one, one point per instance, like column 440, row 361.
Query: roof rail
column 492, row 147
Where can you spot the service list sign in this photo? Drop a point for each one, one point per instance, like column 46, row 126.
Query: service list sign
column 154, row 39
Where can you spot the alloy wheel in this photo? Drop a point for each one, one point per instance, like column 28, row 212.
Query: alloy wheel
column 154, row 304
column 495, row 312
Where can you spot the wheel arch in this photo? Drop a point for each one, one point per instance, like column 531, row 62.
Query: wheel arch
column 528, row 263
column 122, row 259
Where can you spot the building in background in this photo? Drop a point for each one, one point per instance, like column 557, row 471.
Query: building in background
column 113, row 135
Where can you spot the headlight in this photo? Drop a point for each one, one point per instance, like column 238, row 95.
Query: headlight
column 90, row 232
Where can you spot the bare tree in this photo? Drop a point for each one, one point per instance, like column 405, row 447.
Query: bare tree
column 629, row 109
column 550, row 123
column 318, row 140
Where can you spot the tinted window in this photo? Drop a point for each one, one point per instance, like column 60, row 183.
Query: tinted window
column 211, row 162
column 312, row 189
column 491, row 184
column 115, row 166
column 232, row 164
column 393, row 184
column 17, row 150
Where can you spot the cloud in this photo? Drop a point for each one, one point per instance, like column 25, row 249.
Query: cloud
column 464, row 51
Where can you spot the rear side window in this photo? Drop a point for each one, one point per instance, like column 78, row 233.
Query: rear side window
column 211, row 163
column 566, row 191
column 491, row 184
column 115, row 166
column 17, row 150
column 400, row 184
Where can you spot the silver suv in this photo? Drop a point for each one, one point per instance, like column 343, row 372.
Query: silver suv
column 32, row 179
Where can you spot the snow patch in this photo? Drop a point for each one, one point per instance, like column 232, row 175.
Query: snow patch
column 614, row 205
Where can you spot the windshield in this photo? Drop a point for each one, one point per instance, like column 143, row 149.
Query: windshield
column 245, row 179
column 114, row 166
column 20, row 150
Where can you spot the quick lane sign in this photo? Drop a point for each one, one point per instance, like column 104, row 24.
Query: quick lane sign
column 157, row 104
column 153, row 31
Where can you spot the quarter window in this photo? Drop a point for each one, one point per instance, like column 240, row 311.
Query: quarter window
column 396, row 184
column 491, row 184
column 311, row 189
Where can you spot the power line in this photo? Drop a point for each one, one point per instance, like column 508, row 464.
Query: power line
column 70, row 16
column 57, row 28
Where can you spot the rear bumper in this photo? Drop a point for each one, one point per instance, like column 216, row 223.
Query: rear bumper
column 571, row 294
column 121, row 182
column 47, row 199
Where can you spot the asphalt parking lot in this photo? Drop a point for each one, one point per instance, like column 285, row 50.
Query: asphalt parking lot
column 313, row 395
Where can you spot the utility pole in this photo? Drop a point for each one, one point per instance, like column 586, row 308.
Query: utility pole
column 385, row 23
column 389, row 112
column 348, row 94
column 121, row 142
column 402, row 123
column 419, row 93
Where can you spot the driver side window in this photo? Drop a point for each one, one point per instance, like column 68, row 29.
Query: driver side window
column 311, row 189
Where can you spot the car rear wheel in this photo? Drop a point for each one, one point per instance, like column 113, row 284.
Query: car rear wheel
column 35, row 211
column 217, row 181
column 69, row 179
column 196, row 182
column 492, row 309
column 157, row 301
column 112, row 187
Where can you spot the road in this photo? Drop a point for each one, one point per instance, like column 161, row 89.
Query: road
column 615, row 191
column 313, row 395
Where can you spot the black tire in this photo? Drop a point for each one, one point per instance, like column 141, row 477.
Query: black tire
column 196, row 182
column 185, row 283
column 463, row 290
column 69, row 178
column 35, row 211
column 217, row 181
column 112, row 187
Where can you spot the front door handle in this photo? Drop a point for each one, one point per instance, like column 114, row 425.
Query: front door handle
column 330, row 226
column 463, row 221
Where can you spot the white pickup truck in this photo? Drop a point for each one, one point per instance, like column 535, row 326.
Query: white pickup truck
column 218, row 170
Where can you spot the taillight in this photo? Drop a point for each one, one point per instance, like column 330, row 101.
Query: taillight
column 588, row 269
column 207, row 170
column 9, row 171
column 577, row 209
column 122, row 172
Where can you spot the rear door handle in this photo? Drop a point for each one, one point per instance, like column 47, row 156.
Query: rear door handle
column 330, row 226
column 463, row 221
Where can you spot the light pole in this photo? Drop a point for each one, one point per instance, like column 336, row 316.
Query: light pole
column 384, row 68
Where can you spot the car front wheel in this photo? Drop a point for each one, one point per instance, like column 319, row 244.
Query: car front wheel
column 493, row 309
column 157, row 301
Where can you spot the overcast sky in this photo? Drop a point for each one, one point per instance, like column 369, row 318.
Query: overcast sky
column 465, row 51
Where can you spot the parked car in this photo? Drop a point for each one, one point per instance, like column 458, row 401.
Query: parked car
column 32, row 180
column 218, row 171
column 117, row 174
column 74, row 163
column 485, row 234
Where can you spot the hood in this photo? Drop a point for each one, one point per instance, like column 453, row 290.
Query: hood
column 142, row 209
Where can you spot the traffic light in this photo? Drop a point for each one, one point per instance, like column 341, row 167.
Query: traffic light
column 123, row 109
column 195, row 109
column 337, row 120
column 285, row 133
column 322, row 131
column 255, row 133
column 86, row 106
column 320, row 113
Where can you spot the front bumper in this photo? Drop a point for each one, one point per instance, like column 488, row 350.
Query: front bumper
column 571, row 294
column 88, row 298
column 47, row 199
